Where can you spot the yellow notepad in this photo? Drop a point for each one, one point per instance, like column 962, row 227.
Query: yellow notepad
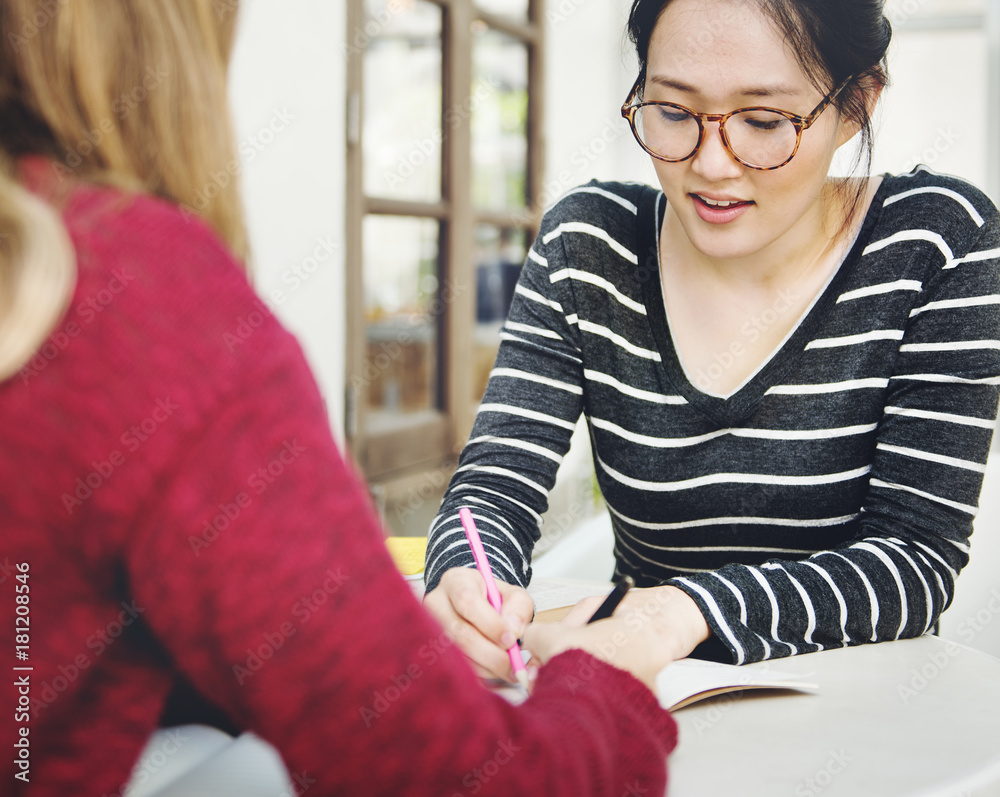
column 408, row 554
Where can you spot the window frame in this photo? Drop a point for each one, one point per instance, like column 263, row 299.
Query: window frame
column 434, row 442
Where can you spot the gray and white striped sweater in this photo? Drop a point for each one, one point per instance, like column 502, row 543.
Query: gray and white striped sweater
column 829, row 500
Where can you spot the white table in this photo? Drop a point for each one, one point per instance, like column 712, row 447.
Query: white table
column 913, row 717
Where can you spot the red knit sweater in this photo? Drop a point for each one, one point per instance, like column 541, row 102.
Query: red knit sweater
column 169, row 480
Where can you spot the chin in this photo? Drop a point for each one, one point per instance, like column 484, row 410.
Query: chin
column 723, row 244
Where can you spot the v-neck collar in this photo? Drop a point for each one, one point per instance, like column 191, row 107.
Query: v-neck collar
column 730, row 409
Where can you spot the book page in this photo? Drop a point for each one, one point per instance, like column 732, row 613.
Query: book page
column 689, row 680
column 562, row 594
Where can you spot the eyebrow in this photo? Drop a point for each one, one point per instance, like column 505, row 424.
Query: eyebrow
column 778, row 89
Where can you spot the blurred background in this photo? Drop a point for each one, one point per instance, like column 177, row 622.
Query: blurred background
column 396, row 158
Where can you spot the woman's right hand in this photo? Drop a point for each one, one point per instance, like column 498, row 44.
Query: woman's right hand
column 460, row 605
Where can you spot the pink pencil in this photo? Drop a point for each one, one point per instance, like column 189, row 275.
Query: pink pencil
column 492, row 593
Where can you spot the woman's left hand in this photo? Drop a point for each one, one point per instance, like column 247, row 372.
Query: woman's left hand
column 667, row 612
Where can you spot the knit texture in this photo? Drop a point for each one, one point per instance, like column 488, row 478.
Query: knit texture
column 169, row 475
column 828, row 501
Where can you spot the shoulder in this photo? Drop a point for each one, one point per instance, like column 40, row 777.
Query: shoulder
column 159, row 289
column 166, row 243
column 601, row 210
column 598, row 200
column 947, row 206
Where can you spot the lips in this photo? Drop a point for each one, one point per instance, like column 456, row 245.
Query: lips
column 719, row 211
column 720, row 204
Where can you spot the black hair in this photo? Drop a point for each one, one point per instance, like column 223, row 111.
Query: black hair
column 832, row 39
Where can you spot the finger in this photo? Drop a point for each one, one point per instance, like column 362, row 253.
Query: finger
column 545, row 640
column 518, row 607
column 467, row 594
column 581, row 613
column 488, row 660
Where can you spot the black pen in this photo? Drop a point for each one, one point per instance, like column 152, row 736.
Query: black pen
column 607, row 608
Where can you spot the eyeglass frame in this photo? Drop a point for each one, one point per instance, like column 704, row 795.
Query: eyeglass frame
column 799, row 122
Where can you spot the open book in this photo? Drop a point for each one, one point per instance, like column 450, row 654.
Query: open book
column 683, row 682
column 689, row 680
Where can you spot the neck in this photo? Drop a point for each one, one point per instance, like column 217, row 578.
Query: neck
column 818, row 236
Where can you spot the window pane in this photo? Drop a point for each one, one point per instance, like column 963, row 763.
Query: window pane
column 401, row 317
column 402, row 100
column 507, row 8
column 899, row 11
column 499, row 105
column 500, row 254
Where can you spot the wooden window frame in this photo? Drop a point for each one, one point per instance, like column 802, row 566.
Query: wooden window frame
column 436, row 441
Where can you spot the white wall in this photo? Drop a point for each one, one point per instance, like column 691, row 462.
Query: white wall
column 288, row 96
column 590, row 68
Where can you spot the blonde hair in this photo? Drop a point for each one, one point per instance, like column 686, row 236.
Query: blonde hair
column 130, row 93
column 37, row 274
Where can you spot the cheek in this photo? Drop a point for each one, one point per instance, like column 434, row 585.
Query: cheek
column 670, row 176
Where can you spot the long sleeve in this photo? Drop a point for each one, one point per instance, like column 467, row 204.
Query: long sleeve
column 169, row 473
column 294, row 619
column 523, row 427
column 827, row 501
column 897, row 574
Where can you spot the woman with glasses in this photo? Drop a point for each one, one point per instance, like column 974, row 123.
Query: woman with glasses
column 790, row 380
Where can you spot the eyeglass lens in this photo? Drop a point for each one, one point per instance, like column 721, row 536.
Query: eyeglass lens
column 760, row 138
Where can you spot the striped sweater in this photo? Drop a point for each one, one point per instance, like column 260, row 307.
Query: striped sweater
column 829, row 500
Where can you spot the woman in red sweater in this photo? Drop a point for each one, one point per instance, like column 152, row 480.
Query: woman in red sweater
column 174, row 513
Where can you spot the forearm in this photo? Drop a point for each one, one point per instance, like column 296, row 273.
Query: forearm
column 521, row 434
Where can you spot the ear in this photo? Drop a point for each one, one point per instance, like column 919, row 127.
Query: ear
column 869, row 90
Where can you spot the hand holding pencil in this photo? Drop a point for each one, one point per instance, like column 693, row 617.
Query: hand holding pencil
column 493, row 595
column 486, row 630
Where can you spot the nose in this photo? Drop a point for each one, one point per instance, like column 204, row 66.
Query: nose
column 712, row 160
